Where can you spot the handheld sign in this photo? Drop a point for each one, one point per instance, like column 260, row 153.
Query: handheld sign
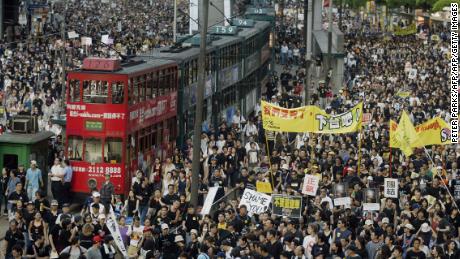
column 391, row 188
column 264, row 187
column 288, row 206
column 371, row 200
column 255, row 202
column 310, row 185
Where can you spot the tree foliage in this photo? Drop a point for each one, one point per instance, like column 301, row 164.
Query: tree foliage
column 440, row 4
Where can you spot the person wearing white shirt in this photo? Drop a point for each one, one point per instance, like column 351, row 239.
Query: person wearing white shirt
column 248, row 144
column 325, row 198
column 238, row 119
column 250, row 129
column 57, row 176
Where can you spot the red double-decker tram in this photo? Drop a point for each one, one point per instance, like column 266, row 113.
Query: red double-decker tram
column 118, row 114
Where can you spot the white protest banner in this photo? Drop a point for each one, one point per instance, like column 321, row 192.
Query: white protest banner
column 342, row 201
column 114, row 229
column 371, row 200
column 105, row 39
column 86, row 41
column 72, row 35
column 209, row 200
column 391, row 187
column 310, row 185
column 255, row 202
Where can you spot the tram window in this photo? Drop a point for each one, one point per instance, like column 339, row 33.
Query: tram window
column 141, row 88
column 95, row 91
column 75, row 90
column 117, row 92
column 154, row 85
column 148, row 86
column 113, row 149
column 135, row 91
column 93, row 150
column 161, row 83
column 75, row 147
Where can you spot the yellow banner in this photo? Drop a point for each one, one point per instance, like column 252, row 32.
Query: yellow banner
column 310, row 119
column 411, row 29
column 433, row 132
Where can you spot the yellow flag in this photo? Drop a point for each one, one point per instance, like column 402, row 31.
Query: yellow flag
column 393, row 141
column 406, row 134
column 433, row 132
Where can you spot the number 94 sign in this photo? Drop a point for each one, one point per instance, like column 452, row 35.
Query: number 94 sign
column 391, row 187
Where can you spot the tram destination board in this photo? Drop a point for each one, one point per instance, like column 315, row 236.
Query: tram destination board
column 224, row 30
column 254, row 10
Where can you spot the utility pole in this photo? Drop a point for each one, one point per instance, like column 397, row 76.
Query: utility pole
column 199, row 103
column 307, row 43
column 329, row 38
column 175, row 22
column 1, row 19
column 340, row 14
column 63, row 62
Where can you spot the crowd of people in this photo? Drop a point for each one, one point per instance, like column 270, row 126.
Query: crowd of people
column 156, row 219
column 31, row 66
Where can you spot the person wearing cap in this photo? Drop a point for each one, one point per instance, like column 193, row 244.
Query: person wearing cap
column 34, row 180
column 57, row 175
column 95, row 251
column 96, row 196
column 107, row 192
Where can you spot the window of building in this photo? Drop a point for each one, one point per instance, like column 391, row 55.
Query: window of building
column 93, row 150
column 113, row 150
column 75, row 147
column 95, row 91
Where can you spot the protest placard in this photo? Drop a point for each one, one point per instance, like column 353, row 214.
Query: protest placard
column 310, row 185
column 264, row 187
column 391, row 187
column 255, row 202
column 288, row 206
column 209, row 200
column 371, row 200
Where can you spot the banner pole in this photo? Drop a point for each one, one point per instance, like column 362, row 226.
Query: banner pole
column 442, row 180
column 390, row 158
column 269, row 161
column 360, row 134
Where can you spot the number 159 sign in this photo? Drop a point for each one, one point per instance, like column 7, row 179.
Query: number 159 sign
column 391, row 187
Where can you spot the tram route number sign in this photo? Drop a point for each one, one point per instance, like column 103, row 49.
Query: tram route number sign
column 224, row 30
column 243, row 22
column 253, row 10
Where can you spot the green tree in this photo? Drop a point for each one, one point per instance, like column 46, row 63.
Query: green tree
column 355, row 4
column 426, row 5
column 440, row 4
